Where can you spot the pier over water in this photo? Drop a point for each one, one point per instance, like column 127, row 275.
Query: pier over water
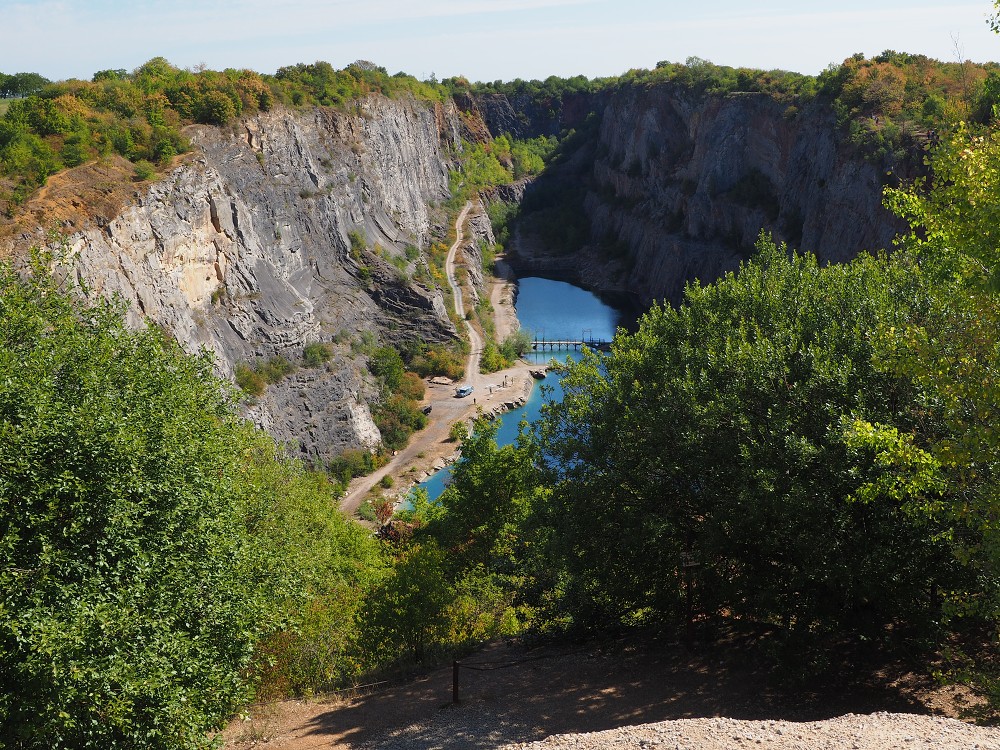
column 544, row 345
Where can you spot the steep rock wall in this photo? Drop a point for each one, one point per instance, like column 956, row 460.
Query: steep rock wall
column 245, row 251
column 678, row 188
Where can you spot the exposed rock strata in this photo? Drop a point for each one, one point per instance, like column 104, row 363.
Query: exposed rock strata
column 479, row 232
column 678, row 187
column 245, row 251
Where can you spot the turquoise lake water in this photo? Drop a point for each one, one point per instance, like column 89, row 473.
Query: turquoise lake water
column 551, row 310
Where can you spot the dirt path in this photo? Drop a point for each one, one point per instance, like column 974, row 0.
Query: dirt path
column 430, row 448
column 475, row 340
column 503, row 293
column 603, row 686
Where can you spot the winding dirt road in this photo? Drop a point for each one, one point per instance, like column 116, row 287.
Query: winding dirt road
column 430, row 445
column 475, row 340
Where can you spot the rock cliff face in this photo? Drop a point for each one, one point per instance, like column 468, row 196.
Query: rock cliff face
column 301, row 227
column 247, row 251
column 524, row 116
column 678, row 187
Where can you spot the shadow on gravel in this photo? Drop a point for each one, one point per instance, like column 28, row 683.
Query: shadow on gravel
column 591, row 688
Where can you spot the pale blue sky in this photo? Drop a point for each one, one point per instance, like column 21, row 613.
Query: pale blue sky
column 481, row 39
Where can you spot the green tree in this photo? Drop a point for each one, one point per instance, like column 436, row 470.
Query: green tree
column 483, row 510
column 21, row 84
column 149, row 536
column 386, row 364
column 711, row 443
column 458, row 431
column 406, row 613
column 215, row 108
column 953, row 351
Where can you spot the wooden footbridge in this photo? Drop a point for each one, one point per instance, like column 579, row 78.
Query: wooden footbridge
column 546, row 345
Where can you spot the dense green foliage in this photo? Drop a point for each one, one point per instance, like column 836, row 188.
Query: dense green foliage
column 321, row 84
column 397, row 413
column 702, row 76
column 437, row 359
column 716, row 435
column 717, row 466
column 501, row 161
column 139, row 115
column 954, row 353
column 458, row 576
column 499, row 356
column 21, row 84
column 149, row 538
column 549, row 93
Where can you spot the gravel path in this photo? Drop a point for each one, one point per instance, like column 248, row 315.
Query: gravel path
column 880, row 731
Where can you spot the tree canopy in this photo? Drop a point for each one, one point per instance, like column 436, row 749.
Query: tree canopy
column 149, row 537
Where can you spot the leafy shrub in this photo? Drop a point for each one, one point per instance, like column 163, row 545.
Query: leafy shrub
column 438, row 360
column 358, row 243
column 315, row 354
column 366, row 512
column 144, row 170
column 516, row 345
column 275, row 369
column 411, row 386
column 491, row 360
column 249, row 379
column 397, row 418
column 216, row 108
column 498, row 357
column 353, row 463
column 458, row 431
column 386, row 364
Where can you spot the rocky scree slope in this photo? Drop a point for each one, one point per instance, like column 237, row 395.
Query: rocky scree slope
column 245, row 251
column 675, row 186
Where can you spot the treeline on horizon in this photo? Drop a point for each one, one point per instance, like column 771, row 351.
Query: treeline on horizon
column 885, row 104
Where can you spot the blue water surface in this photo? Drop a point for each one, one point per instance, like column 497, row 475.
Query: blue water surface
column 554, row 311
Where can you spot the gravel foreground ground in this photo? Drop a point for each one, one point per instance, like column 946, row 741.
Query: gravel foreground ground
column 878, row 731
column 632, row 693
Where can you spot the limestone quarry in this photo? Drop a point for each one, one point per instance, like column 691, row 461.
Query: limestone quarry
column 244, row 249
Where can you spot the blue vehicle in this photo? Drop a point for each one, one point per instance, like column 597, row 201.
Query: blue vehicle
column 463, row 391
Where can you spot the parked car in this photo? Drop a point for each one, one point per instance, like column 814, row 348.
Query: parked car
column 463, row 391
